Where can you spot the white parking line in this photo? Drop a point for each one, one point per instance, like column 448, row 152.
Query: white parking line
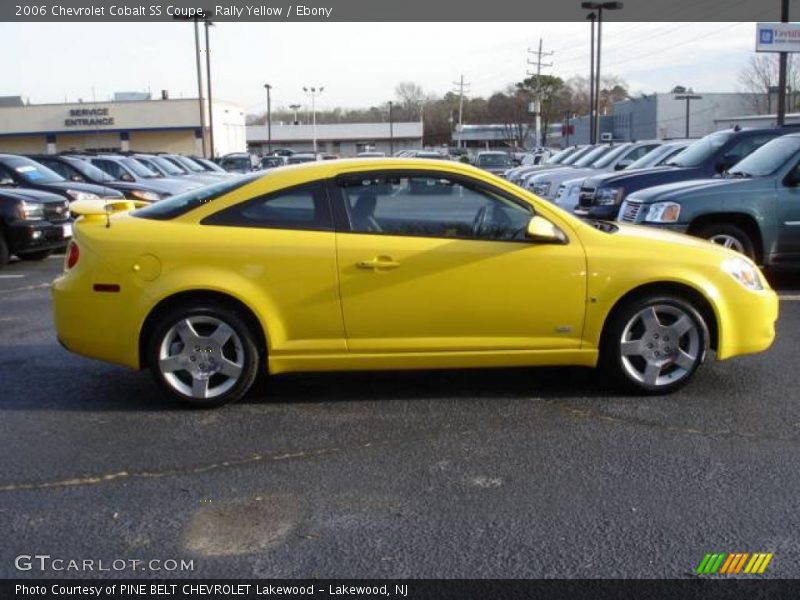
column 11, row 276
column 789, row 297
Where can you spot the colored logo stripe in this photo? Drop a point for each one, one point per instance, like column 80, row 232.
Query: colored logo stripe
column 730, row 564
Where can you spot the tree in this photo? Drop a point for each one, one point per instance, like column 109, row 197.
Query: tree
column 409, row 100
column 510, row 109
column 759, row 77
column 553, row 96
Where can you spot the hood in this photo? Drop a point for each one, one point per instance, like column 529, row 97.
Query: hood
column 672, row 240
column 30, row 195
column 90, row 188
column 617, row 177
column 688, row 188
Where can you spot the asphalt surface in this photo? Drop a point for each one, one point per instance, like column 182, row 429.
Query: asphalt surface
column 509, row 473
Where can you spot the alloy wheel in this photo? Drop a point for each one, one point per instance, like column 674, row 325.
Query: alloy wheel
column 728, row 241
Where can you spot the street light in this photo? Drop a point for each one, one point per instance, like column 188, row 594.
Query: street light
column 268, row 87
column 688, row 98
column 313, row 92
column 208, row 25
column 391, row 131
column 295, row 108
column 599, row 7
column 591, row 17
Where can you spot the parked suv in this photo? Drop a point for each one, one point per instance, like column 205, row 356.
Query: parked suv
column 32, row 223
column 708, row 156
column 754, row 208
column 126, row 168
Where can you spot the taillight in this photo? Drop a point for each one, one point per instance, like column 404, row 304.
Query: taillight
column 73, row 254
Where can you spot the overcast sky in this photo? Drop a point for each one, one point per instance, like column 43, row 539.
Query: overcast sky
column 359, row 64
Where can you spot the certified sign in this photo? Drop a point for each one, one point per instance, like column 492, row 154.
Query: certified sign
column 777, row 37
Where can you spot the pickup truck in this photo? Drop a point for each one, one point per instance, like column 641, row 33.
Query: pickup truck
column 754, row 208
column 33, row 224
column 601, row 196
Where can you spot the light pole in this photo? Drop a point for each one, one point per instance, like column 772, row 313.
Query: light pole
column 688, row 98
column 208, row 25
column 592, row 17
column 599, row 7
column 200, row 87
column 391, row 131
column 268, row 87
column 313, row 91
column 782, row 70
column 295, row 108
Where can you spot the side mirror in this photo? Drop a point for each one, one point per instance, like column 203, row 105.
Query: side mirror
column 6, row 181
column 623, row 164
column 542, row 231
column 126, row 177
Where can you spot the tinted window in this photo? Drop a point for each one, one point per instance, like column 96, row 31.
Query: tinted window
column 769, row 158
column 746, row 146
column 701, row 150
column 109, row 166
column 30, row 171
column 182, row 203
column 303, row 207
column 431, row 206
column 493, row 160
column 60, row 168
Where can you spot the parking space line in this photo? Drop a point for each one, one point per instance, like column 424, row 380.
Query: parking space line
column 789, row 297
column 12, row 276
column 26, row 288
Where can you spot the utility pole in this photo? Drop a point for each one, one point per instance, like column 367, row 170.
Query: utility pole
column 268, row 87
column 537, row 97
column 782, row 70
column 208, row 25
column 391, row 131
column 688, row 98
column 313, row 92
column 567, row 114
column 200, row 87
column 461, row 84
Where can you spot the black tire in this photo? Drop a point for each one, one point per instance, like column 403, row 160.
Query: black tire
column 5, row 255
column 728, row 231
column 38, row 255
column 246, row 352
column 625, row 324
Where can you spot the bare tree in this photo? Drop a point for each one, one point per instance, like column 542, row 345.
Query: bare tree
column 758, row 78
column 410, row 98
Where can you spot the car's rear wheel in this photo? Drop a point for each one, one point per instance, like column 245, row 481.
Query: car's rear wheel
column 730, row 236
column 654, row 344
column 204, row 356
column 39, row 255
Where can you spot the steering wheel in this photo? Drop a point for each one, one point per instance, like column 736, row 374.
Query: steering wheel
column 479, row 221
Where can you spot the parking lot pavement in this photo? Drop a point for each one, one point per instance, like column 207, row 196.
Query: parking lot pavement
column 508, row 473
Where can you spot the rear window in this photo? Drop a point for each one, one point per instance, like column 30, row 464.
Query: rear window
column 180, row 204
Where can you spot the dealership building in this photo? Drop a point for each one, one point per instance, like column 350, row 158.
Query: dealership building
column 128, row 122
column 343, row 139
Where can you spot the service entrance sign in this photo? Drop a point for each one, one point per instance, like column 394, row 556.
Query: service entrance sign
column 778, row 37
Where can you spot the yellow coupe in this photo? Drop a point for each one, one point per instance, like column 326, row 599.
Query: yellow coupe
column 394, row 264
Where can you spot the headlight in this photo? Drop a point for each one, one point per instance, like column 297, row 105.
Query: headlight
column 541, row 188
column 143, row 195
column 608, row 196
column 32, row 211
column 76, row 195
column 743, row 271
column 663, row 212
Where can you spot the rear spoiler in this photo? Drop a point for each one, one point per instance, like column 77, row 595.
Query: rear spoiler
column 90, row 209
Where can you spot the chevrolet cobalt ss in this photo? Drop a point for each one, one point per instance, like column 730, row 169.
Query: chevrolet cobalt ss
column 393, row 264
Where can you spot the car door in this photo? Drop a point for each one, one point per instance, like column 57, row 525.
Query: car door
column 787, row 209
column 434, row 262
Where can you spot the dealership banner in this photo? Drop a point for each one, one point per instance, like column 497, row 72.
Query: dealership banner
column 778, row 37
column 372, row 10
column 399, row 589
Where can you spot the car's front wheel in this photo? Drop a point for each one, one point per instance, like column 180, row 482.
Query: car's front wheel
column 205, row 356
column 730, row 236
column 653, row 344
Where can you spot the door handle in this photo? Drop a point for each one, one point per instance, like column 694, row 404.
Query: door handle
column 379, row 262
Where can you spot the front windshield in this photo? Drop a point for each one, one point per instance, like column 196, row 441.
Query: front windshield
column 188, row 163
column 89, row 171
column 654, row 157
column 767, row 159
column 167, row 166
column 559, row 156
column 138, row 168
column 179, row 204
column 592, row 156
column 701, row 150
column 607, row 159
column 573, row 158
column 494, row 160
column 32, row 172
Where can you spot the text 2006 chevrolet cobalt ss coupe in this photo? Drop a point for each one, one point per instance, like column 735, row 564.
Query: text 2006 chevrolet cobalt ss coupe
column 394, row 264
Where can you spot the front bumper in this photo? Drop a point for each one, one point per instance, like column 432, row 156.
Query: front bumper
column 750, row 321
column 34, row 236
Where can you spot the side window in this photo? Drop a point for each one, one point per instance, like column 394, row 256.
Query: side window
column 745, row 146
column 302, row 207
column 639, row 152
column 110, row 167
column 59, row 168
column 431, row 206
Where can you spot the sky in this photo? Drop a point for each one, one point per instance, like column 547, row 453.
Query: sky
column 359, row 64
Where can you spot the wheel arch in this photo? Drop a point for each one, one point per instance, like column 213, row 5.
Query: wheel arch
column 188, row 297
column 746, row 221
column 703, row 305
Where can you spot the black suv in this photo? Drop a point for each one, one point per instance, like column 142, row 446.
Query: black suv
column 20, row 171
column 32, row 223
column 601, row 195
column 77, row 169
